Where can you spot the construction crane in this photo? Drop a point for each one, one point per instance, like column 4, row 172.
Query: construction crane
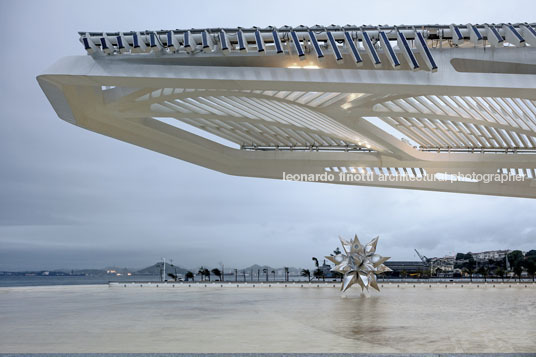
column 424, row 259
column 427, row 262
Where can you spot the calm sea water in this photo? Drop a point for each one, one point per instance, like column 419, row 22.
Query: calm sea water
column 102, row 318
column 7, row 281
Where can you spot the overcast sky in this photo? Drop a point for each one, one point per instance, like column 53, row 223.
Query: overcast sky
column 71, row 198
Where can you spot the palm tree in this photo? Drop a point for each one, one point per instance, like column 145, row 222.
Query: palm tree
column 216, row 272
column 319, row 273
column 273, row 272
column 286, row 273
column 316, row 262
column 306, row 273
column 518, row 269
column 201, row 272
column 469, row 266
column 189, row 275
column 530, row 264
column 484, row 272
column 206, row 273
column 500, row 273
column 469, row 270
column 266, row 272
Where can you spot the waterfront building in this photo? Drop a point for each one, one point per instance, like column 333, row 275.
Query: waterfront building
column 409, row 267
column 431, row 107
column 326, row 270
column 490, row 255
column 442, row 266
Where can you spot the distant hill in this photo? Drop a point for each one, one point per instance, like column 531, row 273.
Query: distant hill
column 155, row 269
column 91, row 272
column 256, row 267
column 278, row 271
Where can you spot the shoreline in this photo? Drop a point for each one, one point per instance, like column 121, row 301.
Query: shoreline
column 316, row 285
column 261, row 285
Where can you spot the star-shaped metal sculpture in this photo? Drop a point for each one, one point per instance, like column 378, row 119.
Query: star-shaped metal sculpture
column 359, row 264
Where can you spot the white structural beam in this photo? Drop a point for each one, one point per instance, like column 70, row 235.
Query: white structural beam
column 352, row 48
column 456, row 34
column 494, row 37
column 371, row 50
column 172, row 42
column 425, row 51
column 206, row 42
column 474, row 34
column 529, row 34
column 404, row 46
column 389, row 51
column 513, row 36
column 138, row 43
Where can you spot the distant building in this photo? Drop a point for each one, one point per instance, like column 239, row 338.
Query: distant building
column 408, row 266
column 443, row 265
column 326, row 270
column 490, row 254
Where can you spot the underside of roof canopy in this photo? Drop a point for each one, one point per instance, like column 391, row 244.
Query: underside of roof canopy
column 272, row 114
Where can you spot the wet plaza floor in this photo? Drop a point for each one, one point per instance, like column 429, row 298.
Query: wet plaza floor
column 402, row 319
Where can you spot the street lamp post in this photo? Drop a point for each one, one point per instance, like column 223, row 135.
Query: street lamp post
column 163, row 269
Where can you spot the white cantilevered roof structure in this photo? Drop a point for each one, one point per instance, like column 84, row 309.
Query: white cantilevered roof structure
column 397, row 103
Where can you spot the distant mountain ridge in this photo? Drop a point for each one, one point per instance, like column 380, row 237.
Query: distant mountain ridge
column 279, row 271
column 155, row 269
